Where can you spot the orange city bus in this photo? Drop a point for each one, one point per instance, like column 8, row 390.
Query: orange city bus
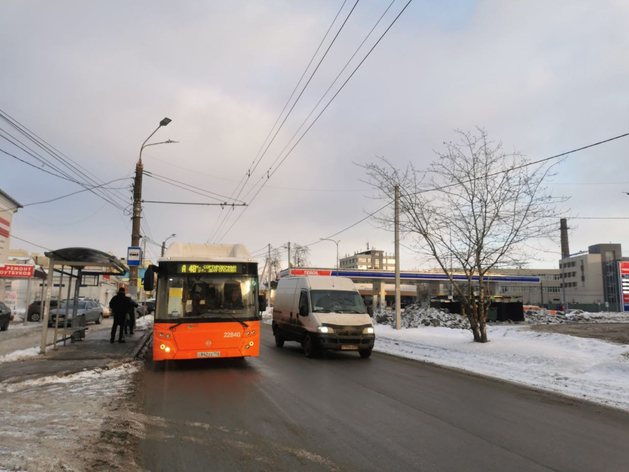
column 207, row 302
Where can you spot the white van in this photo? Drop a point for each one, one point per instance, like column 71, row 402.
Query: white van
column 322, row 313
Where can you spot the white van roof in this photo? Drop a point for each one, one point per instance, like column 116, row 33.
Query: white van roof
column 207, row 252
column 317, row 282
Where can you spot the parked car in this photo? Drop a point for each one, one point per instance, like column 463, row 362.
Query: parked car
column 5, row 317
column 106, row 310
column 90, row 308
column 141, row 309
column 34, row 309
column 150, row 306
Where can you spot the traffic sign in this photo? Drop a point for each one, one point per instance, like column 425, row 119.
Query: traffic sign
column 134, row 256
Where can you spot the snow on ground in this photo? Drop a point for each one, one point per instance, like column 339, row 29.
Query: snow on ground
column 589, row 369
column 72, row 423
column 145, row 323
column 20, row 355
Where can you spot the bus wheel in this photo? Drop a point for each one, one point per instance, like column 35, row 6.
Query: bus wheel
column 365, row 354
column 279, row 339
column 309, row 348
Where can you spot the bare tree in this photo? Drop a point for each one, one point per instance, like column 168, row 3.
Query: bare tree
column 476, row 206
column 301, row 255
column 276, row 266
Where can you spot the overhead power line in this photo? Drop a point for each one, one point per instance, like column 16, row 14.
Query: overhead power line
column 557, row 156
column 13, row 236
column 80, row 176
column 38, row 168
column 74, row 193
column 271, row 171
column 224, row 204
column 163, row 177
column 255, row 164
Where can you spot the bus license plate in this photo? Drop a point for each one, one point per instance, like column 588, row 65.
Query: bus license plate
column 209, row 354
column 349, row 347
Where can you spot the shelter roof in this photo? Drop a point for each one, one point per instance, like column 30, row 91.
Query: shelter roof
column 87, row 257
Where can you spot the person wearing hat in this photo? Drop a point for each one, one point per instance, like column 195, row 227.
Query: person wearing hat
column 120, row 305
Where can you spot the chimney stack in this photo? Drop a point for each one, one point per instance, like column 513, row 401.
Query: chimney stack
column 565, row 247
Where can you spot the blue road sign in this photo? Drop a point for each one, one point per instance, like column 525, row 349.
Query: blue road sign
column 134, row 256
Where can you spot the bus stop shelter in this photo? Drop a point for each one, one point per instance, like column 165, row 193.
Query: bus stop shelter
column 76, row 263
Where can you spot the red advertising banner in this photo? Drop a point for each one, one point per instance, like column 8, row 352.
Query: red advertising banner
column 17, row 271
column 625, row 297
column 310, row 272
column 624, row 267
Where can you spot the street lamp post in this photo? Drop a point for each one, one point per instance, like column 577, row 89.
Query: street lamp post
column 164, row 243
column 137, row 209
column 337, row 252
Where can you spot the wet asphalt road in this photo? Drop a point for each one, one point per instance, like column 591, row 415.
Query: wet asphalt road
column 282, row 411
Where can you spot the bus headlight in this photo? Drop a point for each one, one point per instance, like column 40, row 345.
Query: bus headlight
column 368, row 330
column 325, row 329
column 162, row 347
column 167, row 349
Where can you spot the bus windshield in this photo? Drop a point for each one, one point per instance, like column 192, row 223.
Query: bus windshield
column 207, row 298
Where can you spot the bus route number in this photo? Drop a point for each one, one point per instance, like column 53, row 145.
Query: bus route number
column 232, row 335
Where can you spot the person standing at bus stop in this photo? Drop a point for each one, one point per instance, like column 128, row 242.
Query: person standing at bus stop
column 120, row 305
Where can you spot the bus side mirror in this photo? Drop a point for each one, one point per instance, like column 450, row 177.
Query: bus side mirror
column 149, row 278
column 262, row 302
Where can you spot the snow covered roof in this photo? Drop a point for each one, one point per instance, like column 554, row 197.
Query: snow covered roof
column 207, row 252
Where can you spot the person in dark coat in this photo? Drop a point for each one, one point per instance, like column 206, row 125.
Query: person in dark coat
column 130, row 324
column 120, row 305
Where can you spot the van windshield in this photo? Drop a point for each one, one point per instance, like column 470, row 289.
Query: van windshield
column 337, row 301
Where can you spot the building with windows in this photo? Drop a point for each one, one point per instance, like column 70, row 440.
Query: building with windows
column 592, row 278
column 371, row 259
column 8, row 206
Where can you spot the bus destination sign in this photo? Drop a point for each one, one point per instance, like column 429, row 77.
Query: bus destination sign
column 208, row 269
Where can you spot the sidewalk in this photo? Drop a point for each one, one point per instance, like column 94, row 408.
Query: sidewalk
column 95, row 351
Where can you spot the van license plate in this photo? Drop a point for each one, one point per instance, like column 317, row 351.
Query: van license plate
column 349, row 347
column 209, row 354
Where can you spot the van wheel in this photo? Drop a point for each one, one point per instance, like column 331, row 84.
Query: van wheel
column 279, row 339
column 365, row 354
column 35, row 317
column 309, row 348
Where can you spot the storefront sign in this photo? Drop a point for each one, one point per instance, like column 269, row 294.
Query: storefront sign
column 310, row 272
column 17, row 271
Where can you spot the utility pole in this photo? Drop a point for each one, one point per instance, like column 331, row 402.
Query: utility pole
column 135, row 230
column 137, row 207
column 398, row 301
column 269, row 286
column 288, row 257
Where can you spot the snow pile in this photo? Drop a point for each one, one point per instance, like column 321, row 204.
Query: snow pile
column 543, row 317
column 583, row 368
column 415, row 316
column 601, row 317
column 20, row 355
column 145, row 323
column 268, row 313
column 546, row 317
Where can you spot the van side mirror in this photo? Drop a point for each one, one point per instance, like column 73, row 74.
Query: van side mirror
column 262, row 302
column 149, row 278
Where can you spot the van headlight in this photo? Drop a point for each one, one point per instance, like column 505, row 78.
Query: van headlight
column 325, row 329
column 368, row 330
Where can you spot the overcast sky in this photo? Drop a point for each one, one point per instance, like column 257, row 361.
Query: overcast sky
column 95, row 78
